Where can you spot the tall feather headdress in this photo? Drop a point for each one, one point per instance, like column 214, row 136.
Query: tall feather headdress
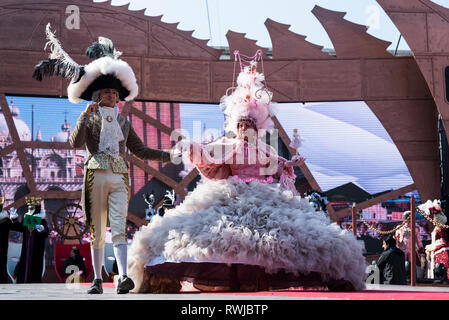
column 250, row 100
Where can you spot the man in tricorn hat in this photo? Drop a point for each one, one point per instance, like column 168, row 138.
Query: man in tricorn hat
column 106, row 134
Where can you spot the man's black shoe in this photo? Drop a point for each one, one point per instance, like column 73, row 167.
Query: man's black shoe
column 96, row 287
column 124, row 285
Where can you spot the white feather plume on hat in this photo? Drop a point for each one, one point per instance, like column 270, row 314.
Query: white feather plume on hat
column 104, row 66
column 106, row 71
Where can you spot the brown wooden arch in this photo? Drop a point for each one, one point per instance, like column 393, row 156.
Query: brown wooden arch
column 171, row 65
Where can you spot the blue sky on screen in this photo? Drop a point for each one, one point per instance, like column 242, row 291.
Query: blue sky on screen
column 194, row 116
column 249, row 17
column 49, row 113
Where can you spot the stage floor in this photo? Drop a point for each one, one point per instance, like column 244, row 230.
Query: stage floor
column 61, row 291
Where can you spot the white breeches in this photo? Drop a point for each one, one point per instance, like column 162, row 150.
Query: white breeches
column 108, row 197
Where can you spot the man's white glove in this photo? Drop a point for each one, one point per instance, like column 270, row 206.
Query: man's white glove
column 40, row 227
column 176, row 156
column 13, row 215
column 182, row 146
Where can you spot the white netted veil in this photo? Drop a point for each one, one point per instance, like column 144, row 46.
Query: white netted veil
column 249, row 99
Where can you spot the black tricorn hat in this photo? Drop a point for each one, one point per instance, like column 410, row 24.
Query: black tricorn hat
column 102, row 82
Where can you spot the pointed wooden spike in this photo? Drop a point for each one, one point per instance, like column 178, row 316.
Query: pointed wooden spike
column 121, row 6
column 189, row 33
column 238, row 41
column 199, row 44
column 362, row 44
column 172, row 25
column 156, row 18
column 423, row 24
column 410, row 5
column 140, row 11
column 290, row 45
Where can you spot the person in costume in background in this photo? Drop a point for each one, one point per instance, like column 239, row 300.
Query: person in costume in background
column 149, row 211
column 296, row 142
column 34, row 229
column 402, row 237
column 6, row 221
column 106, row 134
column 169, row 203
column 437, row 252
column 244, row 228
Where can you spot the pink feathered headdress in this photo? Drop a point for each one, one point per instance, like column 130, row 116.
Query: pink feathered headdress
column 250, row 100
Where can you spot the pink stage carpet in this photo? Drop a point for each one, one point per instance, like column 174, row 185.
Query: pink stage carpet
column 360, row 295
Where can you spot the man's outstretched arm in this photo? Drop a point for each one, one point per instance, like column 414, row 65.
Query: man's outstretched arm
column 136, row 146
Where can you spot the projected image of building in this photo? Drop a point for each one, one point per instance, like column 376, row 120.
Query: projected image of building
column 53, row 169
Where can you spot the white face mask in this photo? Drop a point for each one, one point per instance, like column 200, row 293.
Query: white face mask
column 31, row 210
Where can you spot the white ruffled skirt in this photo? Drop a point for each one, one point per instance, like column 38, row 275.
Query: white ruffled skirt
column 230, row 222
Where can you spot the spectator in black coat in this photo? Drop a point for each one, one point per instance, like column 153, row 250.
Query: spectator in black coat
column 77, row 260
column 391, row 263
column 30, row 267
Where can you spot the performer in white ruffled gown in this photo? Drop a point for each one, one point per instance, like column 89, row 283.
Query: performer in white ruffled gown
column 244, row 228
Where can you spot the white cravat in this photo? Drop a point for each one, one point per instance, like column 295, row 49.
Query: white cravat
column 110, row 133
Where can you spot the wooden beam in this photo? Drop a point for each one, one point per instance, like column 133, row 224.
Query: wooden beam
column 354, row 221
column 305, row 170
column 126, row 108
column 18, row 203
column 136, row 220
column 46, row 195
column 58, row 194
column 150, row 120
column 16, row 140
column 371, row 202
column 7, row 150
column 155, row 173
column 189, row 177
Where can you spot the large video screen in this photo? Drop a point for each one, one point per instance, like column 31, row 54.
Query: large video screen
column 343, row 143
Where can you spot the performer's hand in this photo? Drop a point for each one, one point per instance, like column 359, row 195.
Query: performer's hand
column 295, row 161
column 176, row 156
column 40, row 227
column 182, row 146
column 91, row 107
column 13, row 215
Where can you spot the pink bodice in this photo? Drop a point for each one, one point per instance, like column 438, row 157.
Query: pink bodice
column 245, row 163
column 247, row 166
